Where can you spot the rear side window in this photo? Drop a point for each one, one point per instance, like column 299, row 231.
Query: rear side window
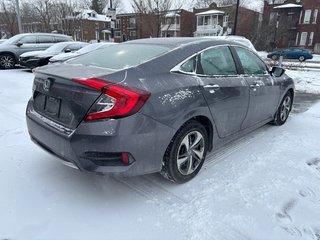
column 251, row 64
column 217, row 61
column 29, row 39
column 120, row 56
column 46, row 39
column 189, row 66
column 62, row 39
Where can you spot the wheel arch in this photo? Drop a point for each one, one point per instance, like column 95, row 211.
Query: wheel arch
column 10, row 53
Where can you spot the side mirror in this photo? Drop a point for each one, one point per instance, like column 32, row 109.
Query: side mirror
column 67, row 50
column 19, row 43
column 277, row 71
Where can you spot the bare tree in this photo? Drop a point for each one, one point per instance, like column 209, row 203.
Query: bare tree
column 8, row 17
column 149, row 13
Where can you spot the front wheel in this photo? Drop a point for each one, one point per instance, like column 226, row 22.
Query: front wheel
column 7, row 61
column 185, row 155
column 283, row 111
column 302, row 58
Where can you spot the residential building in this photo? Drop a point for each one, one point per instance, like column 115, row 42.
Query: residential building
column 87, row 25
column 177, row 23
column 219, row 20
column 292, row 23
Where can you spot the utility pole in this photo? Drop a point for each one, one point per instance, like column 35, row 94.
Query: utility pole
column 236, row 18
column 112, row 15
column 18, row 16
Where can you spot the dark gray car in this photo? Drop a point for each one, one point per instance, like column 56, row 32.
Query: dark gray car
column 11, row 49
column 154, row 105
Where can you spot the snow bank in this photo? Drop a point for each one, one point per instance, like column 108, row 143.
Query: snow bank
column 306, row 81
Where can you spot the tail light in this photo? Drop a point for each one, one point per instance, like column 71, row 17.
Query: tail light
column 116, row 102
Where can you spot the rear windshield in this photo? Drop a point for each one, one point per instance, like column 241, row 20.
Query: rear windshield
column 120, row 56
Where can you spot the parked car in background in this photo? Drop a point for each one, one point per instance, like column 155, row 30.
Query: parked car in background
column 291, row 53
column 12, row 48
column 89, row 48
column 39, row 58
column 154, row 105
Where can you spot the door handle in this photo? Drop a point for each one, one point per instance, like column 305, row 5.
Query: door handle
column 212, row 88
column 254, row 86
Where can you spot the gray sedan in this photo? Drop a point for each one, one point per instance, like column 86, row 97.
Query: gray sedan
column 154, row 105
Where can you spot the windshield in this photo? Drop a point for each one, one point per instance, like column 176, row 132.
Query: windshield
column 13, row 39
column 89, row 48
column 58, row 47
column 120, row 56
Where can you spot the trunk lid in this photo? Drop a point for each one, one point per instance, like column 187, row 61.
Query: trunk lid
column 57, row 97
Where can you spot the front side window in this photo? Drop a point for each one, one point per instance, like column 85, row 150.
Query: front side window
column 217, row 61
column 251, row 64
column 29, row 39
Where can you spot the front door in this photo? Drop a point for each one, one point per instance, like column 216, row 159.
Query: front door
column 264, row 91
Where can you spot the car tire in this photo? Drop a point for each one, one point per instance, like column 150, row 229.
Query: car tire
column 274, row 57
column 186, row 153
column 7, row 61
column 283, row 110
column 302, row 58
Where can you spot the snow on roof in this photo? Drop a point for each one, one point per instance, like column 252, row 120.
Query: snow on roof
column 92, row 15
column 172, row 14
column 210, row 12
column 288, row 5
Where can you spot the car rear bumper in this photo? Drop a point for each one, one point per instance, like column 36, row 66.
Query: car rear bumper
column 97, row 146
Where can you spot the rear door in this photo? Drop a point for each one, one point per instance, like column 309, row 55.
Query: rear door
column 45, row 41
column 264, row 90
column 226, row 92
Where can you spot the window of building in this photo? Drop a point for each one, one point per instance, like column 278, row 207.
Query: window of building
column 207, row 20
column 300, row 19
column 311, row 39
column 117, row 24
column 315, row 16
column 307, row 16
column 117, row 34
column 303, row 38
column 200, row 20
column 297, row 39
column 273, row 18
column 177, row 20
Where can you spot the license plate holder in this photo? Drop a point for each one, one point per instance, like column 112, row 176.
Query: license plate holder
column 52, row 106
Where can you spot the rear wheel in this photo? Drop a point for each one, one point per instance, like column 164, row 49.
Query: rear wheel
column 283, row 111
column 185, row 155
column 274, row 57
column 302, row 58
column 7, row 61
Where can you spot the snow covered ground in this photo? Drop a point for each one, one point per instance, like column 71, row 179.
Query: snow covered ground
column 263, row 186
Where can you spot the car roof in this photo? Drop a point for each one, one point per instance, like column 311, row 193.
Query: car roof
column 173, row 42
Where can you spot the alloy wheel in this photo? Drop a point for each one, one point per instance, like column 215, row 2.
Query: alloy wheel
column 190, row 152
column 285, row 108
column 7, row 61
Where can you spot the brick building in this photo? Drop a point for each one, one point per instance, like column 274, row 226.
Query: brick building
column 87, row 25
column 177, row 23
column 292, row 23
